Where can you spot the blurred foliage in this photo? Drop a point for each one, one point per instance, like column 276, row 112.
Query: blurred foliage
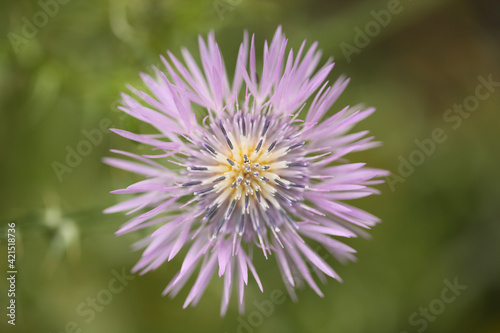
column 442, row 222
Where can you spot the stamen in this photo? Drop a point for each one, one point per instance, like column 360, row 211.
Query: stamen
column 256, row 227
column 241, row 226
column 296, row 145
column 230, row 209
column 243, row 126
column 266, row 126
column 252, row 169
column 297, row 164
column 271, row 147
column 272, row 222
column 210, row 149
column 222, row 128
column 217, row 230
column 221, row 178
column 211, row 212
column 197, row 168
column 257, row 193
column 258, row 146
column 229, row 143
column 208, row 189
column 279, row 182
column 279, row 196
column 197, row 182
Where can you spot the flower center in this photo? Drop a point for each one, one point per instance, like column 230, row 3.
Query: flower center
column 250, row 172
column 248, row 165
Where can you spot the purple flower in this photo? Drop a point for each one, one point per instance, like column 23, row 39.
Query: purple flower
column 252, row 172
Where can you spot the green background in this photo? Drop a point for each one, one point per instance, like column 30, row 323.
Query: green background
column 441, row 223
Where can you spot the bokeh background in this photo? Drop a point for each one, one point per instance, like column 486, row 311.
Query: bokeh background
column 441, row 223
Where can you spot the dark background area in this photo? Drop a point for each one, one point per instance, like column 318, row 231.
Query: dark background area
column 440, row 218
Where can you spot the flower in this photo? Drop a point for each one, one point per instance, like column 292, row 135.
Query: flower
column 253, row 173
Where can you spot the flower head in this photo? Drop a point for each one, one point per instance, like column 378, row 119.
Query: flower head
column 254, row 173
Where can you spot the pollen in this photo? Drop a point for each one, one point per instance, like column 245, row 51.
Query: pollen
column 252, row 172
column 250, row 165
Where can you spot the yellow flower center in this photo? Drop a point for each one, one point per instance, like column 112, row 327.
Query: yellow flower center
column 250, row 171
